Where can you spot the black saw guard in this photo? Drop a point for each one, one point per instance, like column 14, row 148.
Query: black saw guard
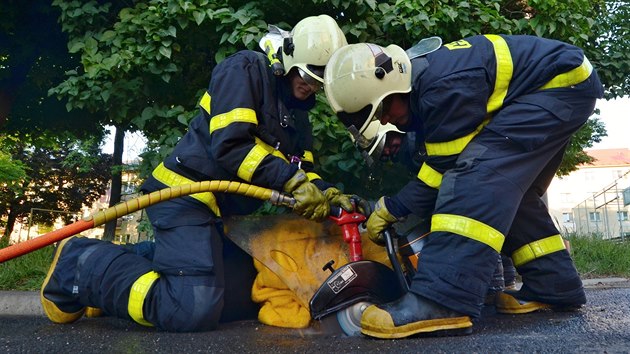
column 354, row 282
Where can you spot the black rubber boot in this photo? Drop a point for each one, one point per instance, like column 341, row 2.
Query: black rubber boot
column 57, row 298
column 413, row 314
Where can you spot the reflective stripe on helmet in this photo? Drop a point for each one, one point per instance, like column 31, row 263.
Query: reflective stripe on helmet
column 538, row 249
column 137, row 294
column 468, row 227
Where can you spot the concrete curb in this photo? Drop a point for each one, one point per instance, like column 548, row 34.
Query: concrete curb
column 20, row 303
column 15, row 303
column 605, row 282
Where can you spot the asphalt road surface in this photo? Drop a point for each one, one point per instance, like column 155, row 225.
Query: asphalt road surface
column 603, row 326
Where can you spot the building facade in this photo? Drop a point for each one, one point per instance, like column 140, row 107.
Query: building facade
column 595, row 199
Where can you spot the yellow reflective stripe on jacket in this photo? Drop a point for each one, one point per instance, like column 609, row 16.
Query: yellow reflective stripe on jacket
column 468, row 227
column 137, row 294
column 505, row 69
column 250, row 162
column 270, row 149
column 312, row 176
column 237, row 115
column 308, row 157
column 172, row 179
column 453, row 147
column 205, row 102
column 572, row 77
column 254, row 158
column 429, row 176
column 537, row 249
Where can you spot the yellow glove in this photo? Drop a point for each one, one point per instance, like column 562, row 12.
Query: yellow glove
column 379, row 221
column 336, row 198
column 310, row 202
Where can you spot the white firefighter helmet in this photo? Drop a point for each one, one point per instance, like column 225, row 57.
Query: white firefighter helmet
column 310, row 44
column 359, row 76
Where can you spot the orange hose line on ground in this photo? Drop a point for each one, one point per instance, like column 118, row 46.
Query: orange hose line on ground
column 22, row 248
column 132, row 205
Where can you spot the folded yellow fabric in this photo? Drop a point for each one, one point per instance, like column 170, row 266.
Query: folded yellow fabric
column 289, row 253
column 280, row 306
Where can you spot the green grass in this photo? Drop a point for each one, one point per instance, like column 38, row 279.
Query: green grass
column 26, row 272
column 593, row 258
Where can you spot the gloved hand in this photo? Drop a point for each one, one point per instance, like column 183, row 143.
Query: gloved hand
column 310, row 202
column 336, row 198
column 363, row 206
column 380, row 220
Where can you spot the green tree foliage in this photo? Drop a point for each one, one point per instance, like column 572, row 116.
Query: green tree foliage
column 61, row 174
column 145, row 64
column 33, row 58
column 10, row 170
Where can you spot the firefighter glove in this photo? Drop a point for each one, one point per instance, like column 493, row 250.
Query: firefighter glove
column 310, row 202
column 363, row 206
column 379, row 221
column 336, row 198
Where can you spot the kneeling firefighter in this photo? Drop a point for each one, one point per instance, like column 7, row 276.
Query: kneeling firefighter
column 252, row 127
column 495, row 113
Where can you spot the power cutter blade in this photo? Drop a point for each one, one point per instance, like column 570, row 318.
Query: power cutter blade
column 349, row 319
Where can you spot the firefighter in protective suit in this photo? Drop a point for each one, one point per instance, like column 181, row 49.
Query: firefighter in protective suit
column 386, row 143
column 252, row 127
column 496, row 113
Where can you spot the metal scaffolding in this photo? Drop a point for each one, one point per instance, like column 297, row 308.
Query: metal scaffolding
column 605, row 213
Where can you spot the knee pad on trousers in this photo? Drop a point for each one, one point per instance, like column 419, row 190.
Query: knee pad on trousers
column 184, row 304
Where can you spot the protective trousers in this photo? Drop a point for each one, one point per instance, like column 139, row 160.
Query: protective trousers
column 498, row 182
column 183, row 288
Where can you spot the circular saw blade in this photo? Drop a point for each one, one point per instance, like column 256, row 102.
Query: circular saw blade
column 349, row 319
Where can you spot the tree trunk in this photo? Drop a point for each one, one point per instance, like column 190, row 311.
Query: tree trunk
column 115, row 191
column 15, row 208
column 9, row 228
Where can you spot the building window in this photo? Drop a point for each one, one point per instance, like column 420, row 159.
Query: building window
column 567, row 217
column 594, row 216
column 589, row 176
column 622, row 216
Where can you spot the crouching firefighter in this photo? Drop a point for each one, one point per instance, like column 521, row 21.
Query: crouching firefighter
column 386, row 143
column 495, row 113
column 252, row 127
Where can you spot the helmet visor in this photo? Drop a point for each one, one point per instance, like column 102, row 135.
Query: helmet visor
column 310, row 80
column 362, row 119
